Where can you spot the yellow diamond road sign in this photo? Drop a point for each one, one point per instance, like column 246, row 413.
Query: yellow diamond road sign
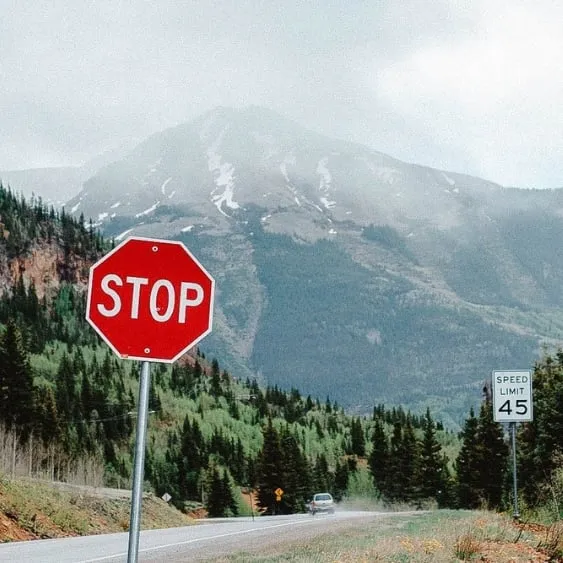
column 279, row 492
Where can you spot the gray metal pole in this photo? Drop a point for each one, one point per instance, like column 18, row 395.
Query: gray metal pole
column 514, row 476
column 137, row 492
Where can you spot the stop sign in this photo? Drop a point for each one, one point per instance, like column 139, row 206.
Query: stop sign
column 150, row 299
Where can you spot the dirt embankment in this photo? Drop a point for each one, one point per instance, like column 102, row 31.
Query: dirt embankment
column 33, row 510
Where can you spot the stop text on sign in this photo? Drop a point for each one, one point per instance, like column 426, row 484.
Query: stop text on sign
column 512, row 396
column 177, row 300
column 150, row 299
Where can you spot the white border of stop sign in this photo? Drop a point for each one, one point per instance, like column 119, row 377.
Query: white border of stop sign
column 166, row 302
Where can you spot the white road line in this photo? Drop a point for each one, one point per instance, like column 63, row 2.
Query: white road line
column 195, row 540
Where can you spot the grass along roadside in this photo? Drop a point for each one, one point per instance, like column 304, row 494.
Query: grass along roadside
column 32, row 510
column 431, row 537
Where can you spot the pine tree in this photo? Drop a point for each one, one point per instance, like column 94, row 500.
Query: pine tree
column 47, row 424
column 215, row 390
column 358, row 442
column 432, row 478
column 16, row 379
column 65, row 388
column 393, row 479
column 296, row 480
column 163, row 474
column 214, row 501
column 219, row 500
column 228, row 496
column 269, row 471
column 191, row 459
column 467, row 465
column 492, row 456
column 322, row 477
column 540, row 442
column 86, row 395
column 379, row 457
column 341, row 476
column 409, row 457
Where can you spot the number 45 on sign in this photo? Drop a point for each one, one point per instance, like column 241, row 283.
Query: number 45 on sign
column 512, row 396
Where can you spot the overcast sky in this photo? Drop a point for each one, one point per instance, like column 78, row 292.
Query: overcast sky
column 462, row 85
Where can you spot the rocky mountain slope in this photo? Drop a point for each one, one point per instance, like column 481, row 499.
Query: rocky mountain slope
column 341, row 270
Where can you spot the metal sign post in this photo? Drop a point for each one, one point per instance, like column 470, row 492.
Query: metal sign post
column 512, row 403
column 152, row 301
column 137, row 492
column 516, row 514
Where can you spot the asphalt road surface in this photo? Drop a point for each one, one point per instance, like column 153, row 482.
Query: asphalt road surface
column 204, row 540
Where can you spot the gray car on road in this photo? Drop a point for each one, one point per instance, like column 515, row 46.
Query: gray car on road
column 321, row 502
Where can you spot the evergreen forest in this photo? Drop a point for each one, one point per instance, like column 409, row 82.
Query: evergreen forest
column 212, row 437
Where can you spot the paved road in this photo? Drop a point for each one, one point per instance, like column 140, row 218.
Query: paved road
column 208, row 538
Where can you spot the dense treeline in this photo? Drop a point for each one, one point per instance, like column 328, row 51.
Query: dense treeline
column 25, row 223
column 540, row 442
column 237, row 433
column 211, row 435
column 60, row 318
column 231, row 433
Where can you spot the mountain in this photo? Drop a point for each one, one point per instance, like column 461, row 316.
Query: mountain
column 54, row 185
column 341, row 270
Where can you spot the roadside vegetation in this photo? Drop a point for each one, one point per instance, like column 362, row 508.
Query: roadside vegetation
column 444, row 536
column 38, row 510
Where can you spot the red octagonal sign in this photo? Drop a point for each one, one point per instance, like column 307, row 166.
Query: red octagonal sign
column 150, row 299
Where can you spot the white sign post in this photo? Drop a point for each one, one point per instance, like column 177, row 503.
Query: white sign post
column 512, row 403
column 512, row 396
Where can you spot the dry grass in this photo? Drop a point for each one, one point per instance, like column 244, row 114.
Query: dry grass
column 466, row 547
column 30, row 510
column 433, row 537
column 551, row 541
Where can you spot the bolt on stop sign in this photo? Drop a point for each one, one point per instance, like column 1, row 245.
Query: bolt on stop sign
column 150, row 299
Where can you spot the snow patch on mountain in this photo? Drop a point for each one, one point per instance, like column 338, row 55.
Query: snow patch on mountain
column 187, row 229
column 122, row 235
column 116, row 204
column 324, row 173
column 283, row 167
column 300, row 198
column 325, row 183
column 223, row 173
column 289, row 160
column 163, row 187
column 75, row 208
column 148, row 211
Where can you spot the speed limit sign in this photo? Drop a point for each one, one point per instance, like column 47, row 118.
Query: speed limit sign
column 512, row 396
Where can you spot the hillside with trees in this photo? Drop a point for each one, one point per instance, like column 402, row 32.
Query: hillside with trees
column 68, row 407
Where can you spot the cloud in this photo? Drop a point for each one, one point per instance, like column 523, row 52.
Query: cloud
column 493, row 95
column 466, row 86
